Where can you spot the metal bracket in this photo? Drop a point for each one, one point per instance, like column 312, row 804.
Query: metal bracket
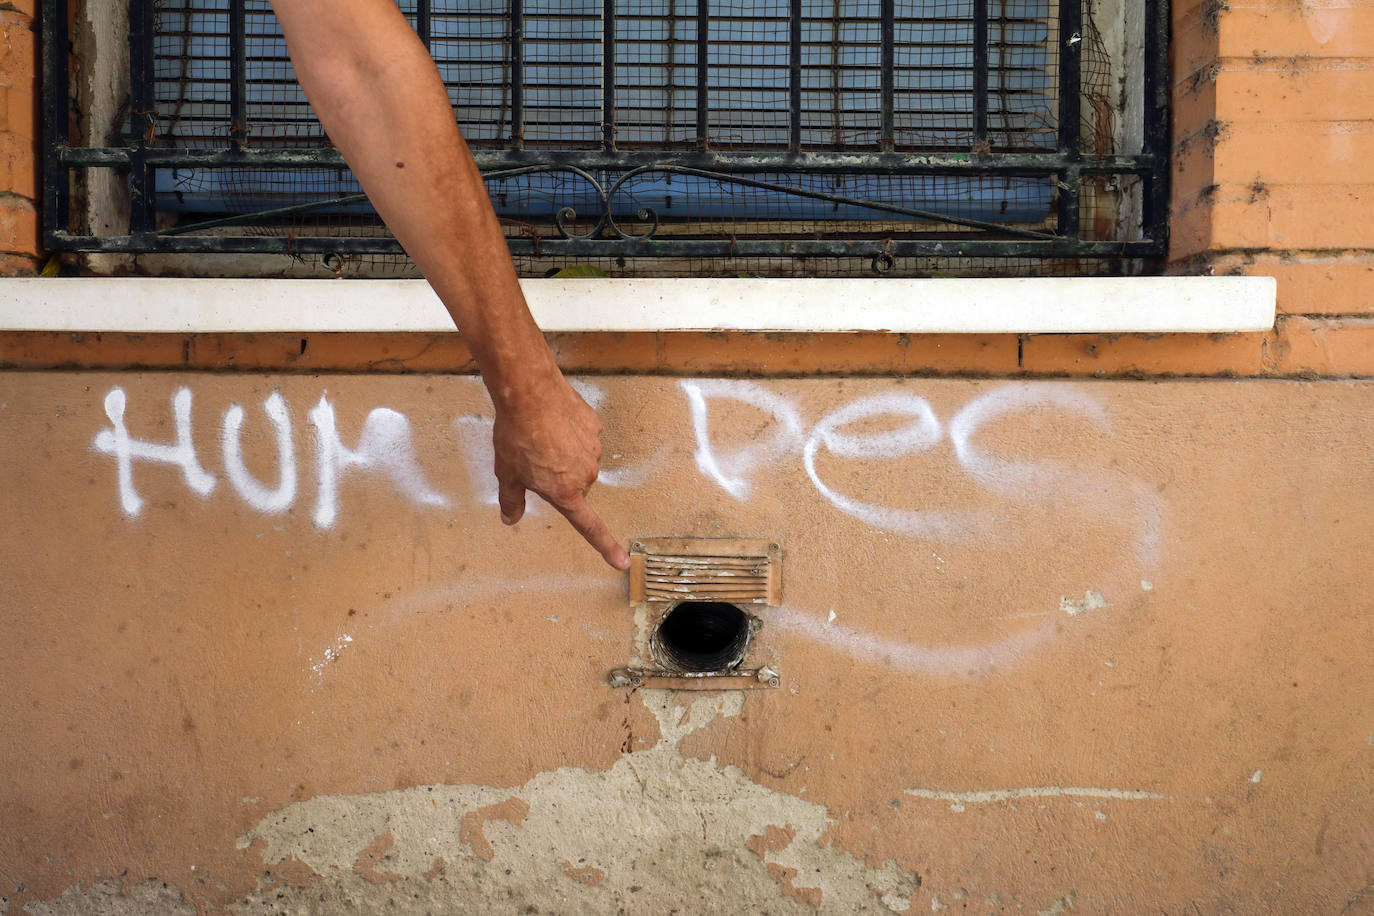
column 736, row 679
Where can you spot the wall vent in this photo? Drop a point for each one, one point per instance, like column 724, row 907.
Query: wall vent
column 728, row 570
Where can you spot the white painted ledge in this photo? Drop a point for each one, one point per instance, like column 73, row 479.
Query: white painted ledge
column 947, row 306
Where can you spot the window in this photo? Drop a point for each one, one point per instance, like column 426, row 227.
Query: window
column 815, row 137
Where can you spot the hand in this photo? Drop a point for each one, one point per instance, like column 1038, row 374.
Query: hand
column 549, row 442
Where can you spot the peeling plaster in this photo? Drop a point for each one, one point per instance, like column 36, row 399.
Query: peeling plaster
column 1063, row 905
column 656, row 832
column 1091, row 601
column 109, row 898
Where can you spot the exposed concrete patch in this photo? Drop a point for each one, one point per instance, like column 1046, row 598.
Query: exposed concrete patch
column 1063, row 905
column 109, row 898
column 773, row 839
column 1091, row 601
column 958, row 897
column 289, row 872
column 657, row 832
column 810, row 895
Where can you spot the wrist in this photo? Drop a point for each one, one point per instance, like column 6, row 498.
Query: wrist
column 526, row 386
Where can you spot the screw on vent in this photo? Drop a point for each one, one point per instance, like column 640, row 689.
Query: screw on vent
column 703, row 636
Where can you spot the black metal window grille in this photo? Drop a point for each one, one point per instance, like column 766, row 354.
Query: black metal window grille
column 897, row 132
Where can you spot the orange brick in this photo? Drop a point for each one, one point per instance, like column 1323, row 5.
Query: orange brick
column 1146, row 355
column 245, row 352
column 605, row 352
column 1326, row 346
column 1195, row 70
column 405, row 352
column 1190, row 233
column 1195, row 136
column 363, row 352
column 1194, row 18
column 18, row 226
column 1293, row 216
column 1295, row 30
column 25, row 8
column 1185, row 11
column 1288, row 4
column 1237, row 221
column 12, row 265
column 446, row 352
column 1322, row 152
column 1294, row 95
column 18, row 165
column 1321, row 217
column 675, row 353
column 1195, row 115
column 18, row 111
column 51, row 350
column 18, row 53
column 1195, row 46
column 1310, row 285
column 249, row 351
column 1193, row 170
column 855, row 353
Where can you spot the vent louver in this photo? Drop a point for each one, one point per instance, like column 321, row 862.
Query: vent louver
column 706, row 569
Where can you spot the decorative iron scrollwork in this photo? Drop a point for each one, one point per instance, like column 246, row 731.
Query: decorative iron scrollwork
column 606, row 225
column 607, row 196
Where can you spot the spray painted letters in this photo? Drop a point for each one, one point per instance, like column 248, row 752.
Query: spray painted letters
column 385, row 444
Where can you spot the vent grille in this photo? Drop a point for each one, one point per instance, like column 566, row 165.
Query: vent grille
column 728, row 570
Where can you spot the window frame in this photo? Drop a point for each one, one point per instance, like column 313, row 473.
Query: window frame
column 1066, row 166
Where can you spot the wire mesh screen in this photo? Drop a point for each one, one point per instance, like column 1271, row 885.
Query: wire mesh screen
column 659, row 94
column 472, row 49
column 660, row 129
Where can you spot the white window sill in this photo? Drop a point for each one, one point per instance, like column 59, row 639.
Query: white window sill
column 946, row 306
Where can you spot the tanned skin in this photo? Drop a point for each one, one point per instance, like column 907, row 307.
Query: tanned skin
column 379, row 96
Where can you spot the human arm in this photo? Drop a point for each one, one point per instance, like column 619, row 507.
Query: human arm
column 378, row 95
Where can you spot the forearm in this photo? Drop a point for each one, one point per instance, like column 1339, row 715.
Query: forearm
column 379, row 96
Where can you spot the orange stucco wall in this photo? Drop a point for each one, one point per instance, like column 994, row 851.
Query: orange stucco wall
column 1078, row 645
column 1271, row 127
column 1058, row 633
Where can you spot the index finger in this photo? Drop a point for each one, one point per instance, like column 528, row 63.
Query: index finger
column 583, row 517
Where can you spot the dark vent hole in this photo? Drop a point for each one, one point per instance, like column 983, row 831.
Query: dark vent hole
column 704, row 636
